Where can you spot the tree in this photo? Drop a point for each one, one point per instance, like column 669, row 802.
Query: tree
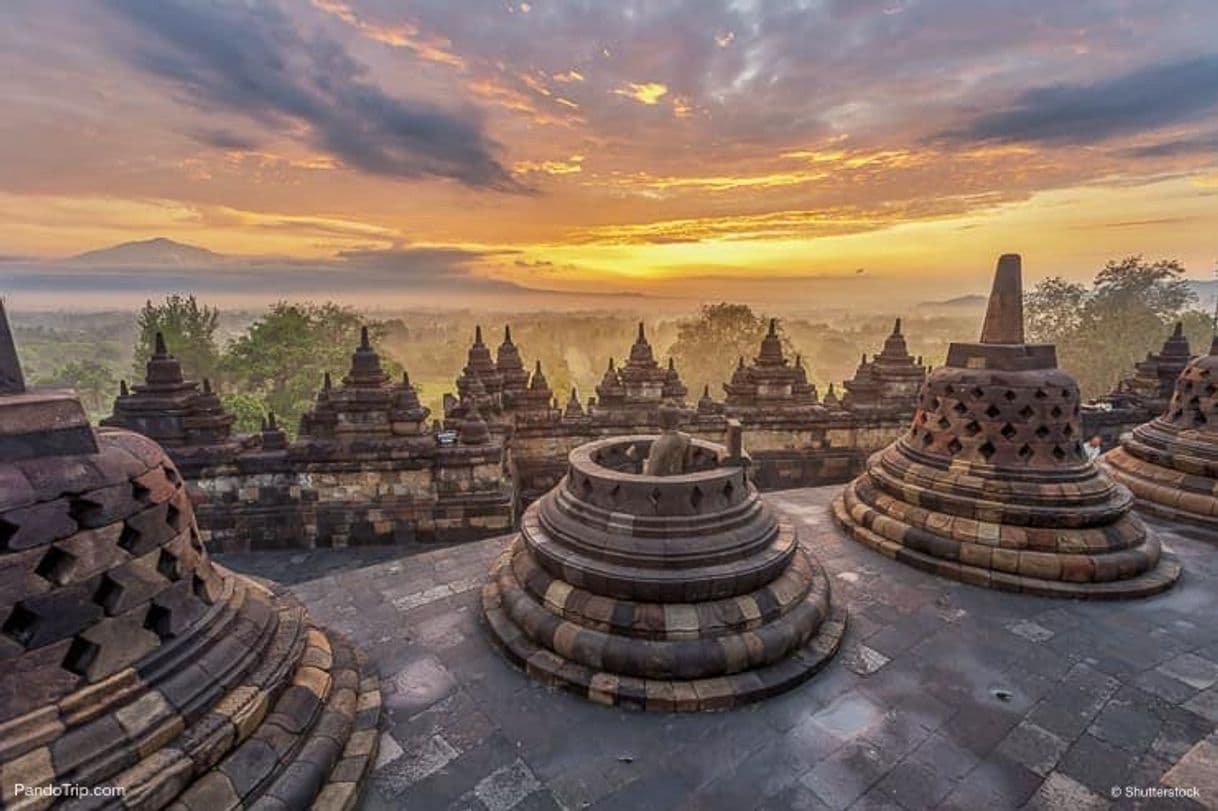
column 1102, row 331
column 707, row 348
column 1053, row 310
column 190, row 334
column 247, row 411
column 94, row 382
column 283, row 356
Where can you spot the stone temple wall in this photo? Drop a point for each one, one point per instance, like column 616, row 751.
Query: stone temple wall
column 255, row 502
column 809, row 451
column 279, row 501
column 366, row 468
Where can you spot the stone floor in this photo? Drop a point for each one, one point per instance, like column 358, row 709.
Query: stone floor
column 944, row 696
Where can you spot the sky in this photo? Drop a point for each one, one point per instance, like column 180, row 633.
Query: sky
column 848, row 150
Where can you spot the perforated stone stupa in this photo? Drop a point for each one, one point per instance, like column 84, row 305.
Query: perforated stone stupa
column 990, row 484
column 1171, row 462
column 678, row 592
column 130, row 659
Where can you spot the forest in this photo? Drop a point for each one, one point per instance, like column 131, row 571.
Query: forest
column 274, row 360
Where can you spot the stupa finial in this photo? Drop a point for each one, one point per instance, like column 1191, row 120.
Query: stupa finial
column 12, row 381
column 1004, row 315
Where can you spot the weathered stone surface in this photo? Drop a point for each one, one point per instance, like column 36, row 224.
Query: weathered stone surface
column 606, row 589
column 990, row 483
column 131, row 660
column 366, row 468
column 1171, row 463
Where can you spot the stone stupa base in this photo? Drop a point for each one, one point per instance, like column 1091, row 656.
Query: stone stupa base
column 135, row 662
column 683, row 592
column 1162, row 485
column 902, row 532
column 542, row 625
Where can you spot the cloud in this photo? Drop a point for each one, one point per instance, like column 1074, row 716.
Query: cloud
column 225, row 139
column 1144, row 99
column 251, row 60
column 1177, row 147
column 645, row 93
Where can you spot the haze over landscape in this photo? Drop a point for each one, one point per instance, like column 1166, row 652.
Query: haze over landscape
column 623, row 155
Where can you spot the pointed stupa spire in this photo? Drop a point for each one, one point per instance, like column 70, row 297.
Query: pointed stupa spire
column 672, row 364
column 1004, row 315
column 159, row 344
column 405, row 378
column 507, row 333
column 477, row 333
column 773, row 326
column 207, row 385
column 363, row 338
column 123, row 391
column 12, row 381
column 896, row 327
column 326, row 383
column 271, row 423
column 641, row 337
column 1179, row 330
column 539, row 382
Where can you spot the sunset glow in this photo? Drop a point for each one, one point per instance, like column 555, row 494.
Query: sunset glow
column 621, row 147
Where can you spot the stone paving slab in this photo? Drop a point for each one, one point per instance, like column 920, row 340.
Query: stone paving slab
column 946, row 696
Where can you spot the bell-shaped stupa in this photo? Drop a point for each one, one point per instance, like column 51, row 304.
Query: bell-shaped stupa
column 135, row 663
column 991, row 485
column 1171, row 463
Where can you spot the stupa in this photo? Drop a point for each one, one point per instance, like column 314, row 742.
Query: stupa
column 1171, row 463
column 990, row 484
column 170, row 409
column 678, row 592
column 133, row 661
column 771, row 383
column 889, row 381
column 1154, row 380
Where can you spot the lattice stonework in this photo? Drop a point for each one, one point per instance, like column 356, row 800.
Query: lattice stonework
column 990, row 484
column 1171, row 463
column 997, row 419
column 131, row 660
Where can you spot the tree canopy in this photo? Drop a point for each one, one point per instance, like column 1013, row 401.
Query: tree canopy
column 190, row 332
column 708, row 347
column 283, row 356
column 1102, row 330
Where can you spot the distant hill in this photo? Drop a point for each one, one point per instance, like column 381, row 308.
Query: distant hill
column 156, row 252
column 969, row 302
column 1206, row 291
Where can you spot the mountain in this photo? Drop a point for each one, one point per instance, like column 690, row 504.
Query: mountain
column 156, row 252
column 968, row 302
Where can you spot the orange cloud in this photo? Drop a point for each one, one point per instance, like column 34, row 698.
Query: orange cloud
column 646, row 93
column 403, row 35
